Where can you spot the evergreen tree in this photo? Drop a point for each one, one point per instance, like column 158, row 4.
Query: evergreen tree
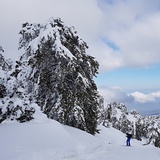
column 59, row 73
column 5, row 65
column 138, row 129
column 13, row 103
column 1, row 49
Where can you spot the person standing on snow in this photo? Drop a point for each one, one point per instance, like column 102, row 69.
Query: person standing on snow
column 129, row 136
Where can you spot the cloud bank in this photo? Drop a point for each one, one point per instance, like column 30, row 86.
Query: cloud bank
column 134, row 27
column 142, row 102
column 144, row 98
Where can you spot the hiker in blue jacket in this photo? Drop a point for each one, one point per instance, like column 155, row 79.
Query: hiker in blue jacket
column 129, row 136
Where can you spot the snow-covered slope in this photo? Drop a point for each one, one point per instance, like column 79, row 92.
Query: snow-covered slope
column 46, row 139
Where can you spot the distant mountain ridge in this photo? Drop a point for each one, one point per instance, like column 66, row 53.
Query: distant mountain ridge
column 154, row 113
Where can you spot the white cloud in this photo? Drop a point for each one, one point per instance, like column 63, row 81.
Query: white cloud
column 140, row 43
column 142, row 102
column 134, row 27
column 156, row 94
column 115, row 94
column 144, row 98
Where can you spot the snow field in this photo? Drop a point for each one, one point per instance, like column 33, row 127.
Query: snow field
column 49, row 140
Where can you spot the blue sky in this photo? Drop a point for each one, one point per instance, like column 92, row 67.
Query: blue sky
column 131, row 79
column 122, row 35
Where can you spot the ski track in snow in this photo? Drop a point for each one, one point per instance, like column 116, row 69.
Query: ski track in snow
column 49, row 140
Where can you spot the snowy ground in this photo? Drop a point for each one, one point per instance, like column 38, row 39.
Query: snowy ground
column 49, row 140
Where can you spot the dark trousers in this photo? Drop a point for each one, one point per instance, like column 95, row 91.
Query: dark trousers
column 128, row 141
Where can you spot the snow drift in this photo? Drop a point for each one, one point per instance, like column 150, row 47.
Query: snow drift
column 46, row 139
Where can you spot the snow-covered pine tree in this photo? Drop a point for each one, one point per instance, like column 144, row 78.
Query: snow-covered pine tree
column 1, row 49
column 58, row 74
column 5, row 64
column 10, row 107
column 139, row 129
column 5, row 67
